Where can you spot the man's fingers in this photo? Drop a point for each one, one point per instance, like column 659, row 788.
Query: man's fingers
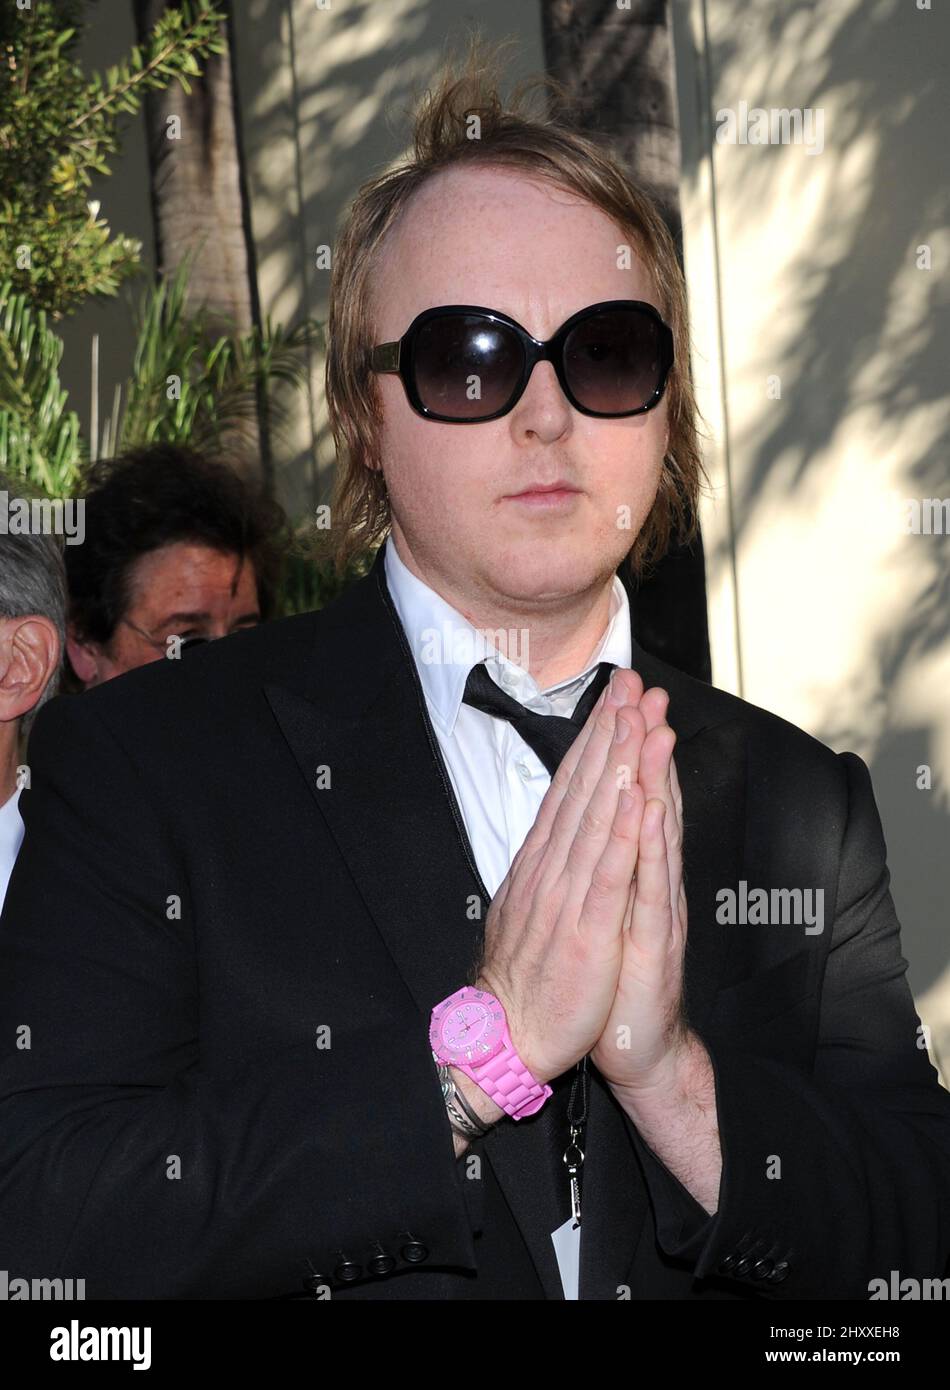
column 586, row 813
column 655, row 756
column 656, row 775
column 675, row 785
column 652, row 925
column 581, row 850
column 654, row 704
column 608, row 891
column 630, row 685
column 581, row 772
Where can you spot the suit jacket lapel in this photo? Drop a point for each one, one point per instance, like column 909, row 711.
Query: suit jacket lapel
column 360, row 715
column 357, row 725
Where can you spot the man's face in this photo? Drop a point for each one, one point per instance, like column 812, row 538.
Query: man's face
column 183, row 589
column 538, row 254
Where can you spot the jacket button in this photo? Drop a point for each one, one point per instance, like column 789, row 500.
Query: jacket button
column 413, row 1252
column 314, row 1282
column 762, row 1269
column 347, row 1270
column 728, row 1263
column 743, row 1267
column 382, row 1262
column 779, row 1273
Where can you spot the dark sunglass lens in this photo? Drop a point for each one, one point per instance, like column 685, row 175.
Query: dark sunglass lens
column 465, row 367
column 613, row 361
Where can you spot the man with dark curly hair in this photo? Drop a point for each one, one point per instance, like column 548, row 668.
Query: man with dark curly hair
column 178, row 549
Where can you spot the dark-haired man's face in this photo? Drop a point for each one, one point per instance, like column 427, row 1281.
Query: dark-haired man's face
column 183, row 590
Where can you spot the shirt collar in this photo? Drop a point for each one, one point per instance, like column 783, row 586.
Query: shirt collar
column 445, row 646
column 11, row 828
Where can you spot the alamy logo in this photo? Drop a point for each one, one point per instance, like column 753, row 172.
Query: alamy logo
column 75, row 1343
column 17, row 1290
column 904, row 1289
column 778, row 125
column 454, row 645
column 927, row 516
column 43, row 516
column 763, row 907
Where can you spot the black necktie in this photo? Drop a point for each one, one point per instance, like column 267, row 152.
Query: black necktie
column 550, row 735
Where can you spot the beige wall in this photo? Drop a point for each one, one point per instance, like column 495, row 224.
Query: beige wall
column 821, row 346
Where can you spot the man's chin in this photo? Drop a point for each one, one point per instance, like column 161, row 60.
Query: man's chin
column 545, row 578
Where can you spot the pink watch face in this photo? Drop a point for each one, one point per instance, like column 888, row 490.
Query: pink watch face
column 472, row 1029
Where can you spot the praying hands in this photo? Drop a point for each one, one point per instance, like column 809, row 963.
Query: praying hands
column 585, row 938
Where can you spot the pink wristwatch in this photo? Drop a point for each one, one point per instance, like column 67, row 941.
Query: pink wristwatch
column 469, row 1030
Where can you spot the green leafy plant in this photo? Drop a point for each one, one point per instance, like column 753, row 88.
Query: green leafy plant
column 190, row 382
column 58, row 128
column 39, row 434
column 194, row 383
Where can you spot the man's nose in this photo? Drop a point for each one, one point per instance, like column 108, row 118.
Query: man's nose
column 543, row 409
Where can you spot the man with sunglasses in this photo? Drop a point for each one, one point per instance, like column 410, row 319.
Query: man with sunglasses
column 403, row 974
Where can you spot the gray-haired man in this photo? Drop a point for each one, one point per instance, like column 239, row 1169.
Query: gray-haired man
column 32, row 640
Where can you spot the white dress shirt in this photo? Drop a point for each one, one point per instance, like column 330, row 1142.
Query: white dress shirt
column 499, row 781
column 11, row 837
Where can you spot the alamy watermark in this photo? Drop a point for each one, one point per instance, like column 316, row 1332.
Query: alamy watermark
column 454, row 645
column 745, row 906
column 908, row 1289
column 43, row 516
column 778, row 125
column 927, row 516
column 75, row 1343
column 17, row 1290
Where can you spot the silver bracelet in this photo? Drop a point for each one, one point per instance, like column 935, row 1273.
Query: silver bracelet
column 468, row 1124
column 461, row 1124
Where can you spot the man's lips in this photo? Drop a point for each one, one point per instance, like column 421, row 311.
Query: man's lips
column 559, row 485
column 546, row 495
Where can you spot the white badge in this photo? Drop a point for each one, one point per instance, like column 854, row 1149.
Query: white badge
column 567, row 1248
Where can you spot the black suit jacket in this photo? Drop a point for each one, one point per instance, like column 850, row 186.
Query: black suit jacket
column 233, row 859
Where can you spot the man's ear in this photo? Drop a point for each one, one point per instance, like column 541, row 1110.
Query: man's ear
column 84, row 657
column 29, row 657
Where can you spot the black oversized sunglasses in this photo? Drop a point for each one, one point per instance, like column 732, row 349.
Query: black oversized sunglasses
column 463, row 364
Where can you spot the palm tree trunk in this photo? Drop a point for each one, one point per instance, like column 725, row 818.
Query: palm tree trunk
column 617, row 64
column 199, row 195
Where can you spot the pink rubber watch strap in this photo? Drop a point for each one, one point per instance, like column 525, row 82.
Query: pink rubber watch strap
column 509, row 1083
